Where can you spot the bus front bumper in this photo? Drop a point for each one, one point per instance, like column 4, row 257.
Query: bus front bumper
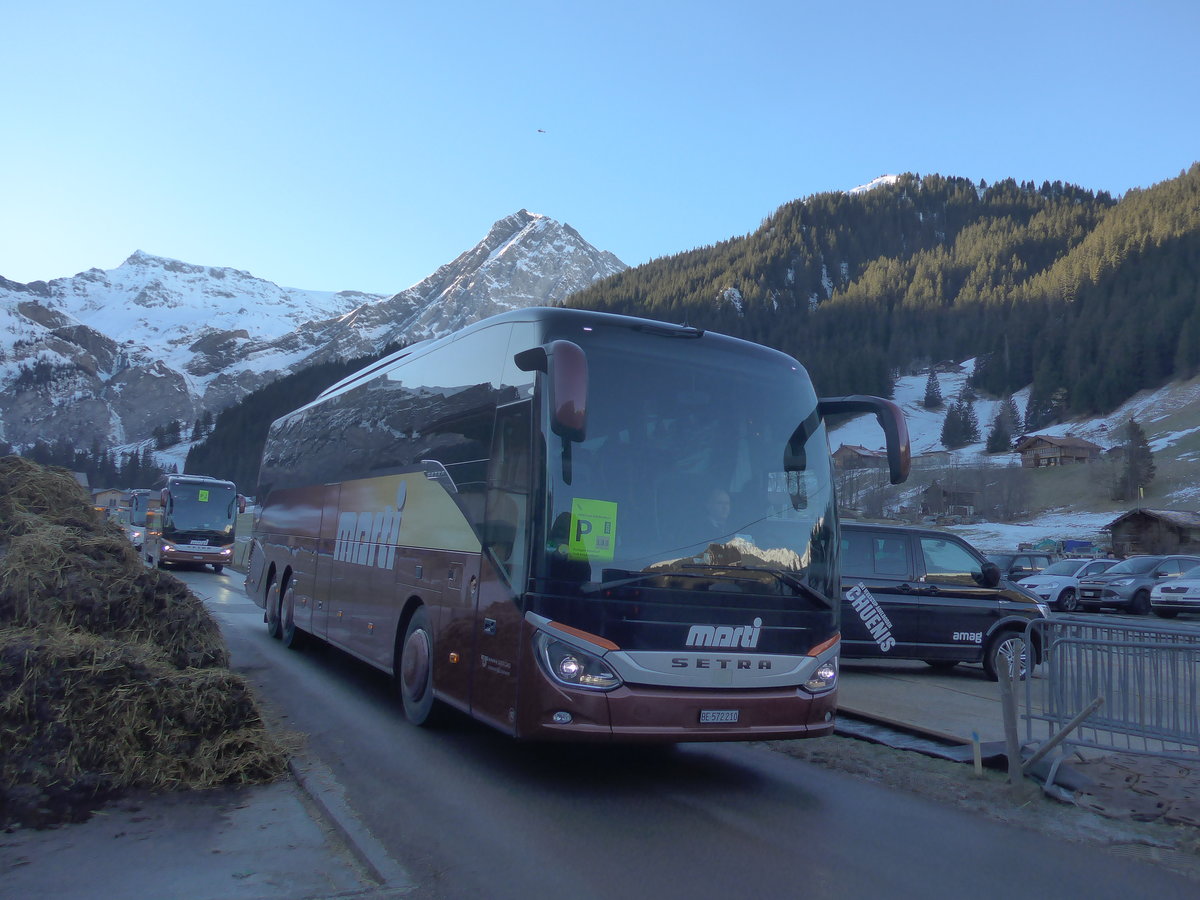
column 634, row 713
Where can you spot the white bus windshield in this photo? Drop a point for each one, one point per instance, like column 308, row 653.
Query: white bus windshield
column 202, row 507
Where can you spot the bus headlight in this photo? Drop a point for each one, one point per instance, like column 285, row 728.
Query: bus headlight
column 574, row 667
column 824, row 678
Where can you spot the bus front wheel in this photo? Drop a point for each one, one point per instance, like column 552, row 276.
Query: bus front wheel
column 414, row 673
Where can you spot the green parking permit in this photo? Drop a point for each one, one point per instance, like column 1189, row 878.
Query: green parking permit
column 593, row 529
column 203, row 496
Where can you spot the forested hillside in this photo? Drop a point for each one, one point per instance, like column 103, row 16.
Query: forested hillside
column 1086, row 298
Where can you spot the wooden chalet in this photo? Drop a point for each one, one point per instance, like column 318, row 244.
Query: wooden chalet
column 852, row 456
column 940, row 501
column 1155, row 531
column 1047, row 450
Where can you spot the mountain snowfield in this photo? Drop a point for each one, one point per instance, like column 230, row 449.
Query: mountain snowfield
column 110, row 355
column 1152, row 410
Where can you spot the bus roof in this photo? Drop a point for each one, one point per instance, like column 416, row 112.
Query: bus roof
column 552, row 317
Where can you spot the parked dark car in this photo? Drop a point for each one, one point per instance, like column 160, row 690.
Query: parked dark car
column 915, row 593
column 1127, row 585
column 1022, row 564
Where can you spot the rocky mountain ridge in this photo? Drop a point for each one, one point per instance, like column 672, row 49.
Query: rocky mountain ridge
column 108, row 355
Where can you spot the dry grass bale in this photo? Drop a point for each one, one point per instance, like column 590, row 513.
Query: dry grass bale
column 112, row 675
column 60, row 576
column 83, row 716
column 32, row 495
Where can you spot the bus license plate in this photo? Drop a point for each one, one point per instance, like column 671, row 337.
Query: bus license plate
column 718, row 715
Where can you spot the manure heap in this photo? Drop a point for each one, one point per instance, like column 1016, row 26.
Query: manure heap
column 112, row 676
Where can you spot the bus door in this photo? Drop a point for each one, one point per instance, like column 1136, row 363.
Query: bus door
column 328, row 580
column 499, row 608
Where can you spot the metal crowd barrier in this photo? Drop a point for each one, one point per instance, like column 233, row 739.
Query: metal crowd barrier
column 1145, row 677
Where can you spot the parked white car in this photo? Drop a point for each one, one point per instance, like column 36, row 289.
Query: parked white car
column 1058, row 583
column 1177, row 595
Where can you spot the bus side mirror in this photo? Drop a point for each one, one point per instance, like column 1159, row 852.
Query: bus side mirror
column 241, row 503
column 891, row 420
column 565, row 365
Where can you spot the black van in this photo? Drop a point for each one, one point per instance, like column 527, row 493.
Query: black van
column 915, row 593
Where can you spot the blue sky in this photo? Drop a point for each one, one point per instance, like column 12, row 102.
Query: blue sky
column 360, row 145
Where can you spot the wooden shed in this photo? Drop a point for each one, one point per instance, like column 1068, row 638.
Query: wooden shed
column 1047, row 450
column 1155, row 531
column 852, row 456
column 938, row 501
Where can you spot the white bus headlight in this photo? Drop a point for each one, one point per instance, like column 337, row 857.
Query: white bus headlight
column 574, row 667
column 824, row 678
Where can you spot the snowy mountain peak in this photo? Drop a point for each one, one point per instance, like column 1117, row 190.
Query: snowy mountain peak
column 881, row 181
column 112, row 354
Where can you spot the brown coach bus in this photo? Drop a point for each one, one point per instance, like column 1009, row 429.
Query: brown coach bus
column 570, row 525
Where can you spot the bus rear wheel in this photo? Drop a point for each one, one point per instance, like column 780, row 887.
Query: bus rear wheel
column 291, row 636
column 274, row 627
column 414, row 672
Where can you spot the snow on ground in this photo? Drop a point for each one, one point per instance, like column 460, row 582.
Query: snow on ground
column 925, row 427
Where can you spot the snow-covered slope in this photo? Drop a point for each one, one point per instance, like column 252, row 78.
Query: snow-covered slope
column 1152, row 409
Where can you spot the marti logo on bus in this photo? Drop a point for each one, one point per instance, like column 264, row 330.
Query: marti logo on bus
column 724, row 635
column 369, row 538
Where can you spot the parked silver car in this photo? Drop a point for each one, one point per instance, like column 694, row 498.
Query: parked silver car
column 1178, row 595
column 1058, row 583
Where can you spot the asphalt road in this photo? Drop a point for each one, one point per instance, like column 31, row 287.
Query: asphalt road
column 470, row 813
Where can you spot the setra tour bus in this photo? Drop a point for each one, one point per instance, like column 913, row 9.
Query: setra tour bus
column 194, row 522
column 570, row 525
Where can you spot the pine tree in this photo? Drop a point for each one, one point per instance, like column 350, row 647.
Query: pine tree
column 999, row 439
column 952, row 428
column 933, row 392
column 970, row 422
column 1139, row 457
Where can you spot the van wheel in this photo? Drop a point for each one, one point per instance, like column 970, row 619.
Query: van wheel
column 274, row 628
column 1067, row 601
column 414, row 669
column 1006, row 653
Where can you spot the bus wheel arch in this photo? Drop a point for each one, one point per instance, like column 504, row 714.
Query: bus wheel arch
column 413, row 663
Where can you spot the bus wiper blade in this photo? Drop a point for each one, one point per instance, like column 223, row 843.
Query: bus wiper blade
column 781, row 575
column 595, row 587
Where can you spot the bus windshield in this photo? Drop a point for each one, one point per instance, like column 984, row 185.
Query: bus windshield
column 693, row 471
column 202, row 507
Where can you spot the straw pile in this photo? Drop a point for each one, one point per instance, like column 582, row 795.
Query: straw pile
column 112, row 675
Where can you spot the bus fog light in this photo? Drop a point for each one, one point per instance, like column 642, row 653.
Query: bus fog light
column 573, row 667
column 562, row 718
column 824, row 678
